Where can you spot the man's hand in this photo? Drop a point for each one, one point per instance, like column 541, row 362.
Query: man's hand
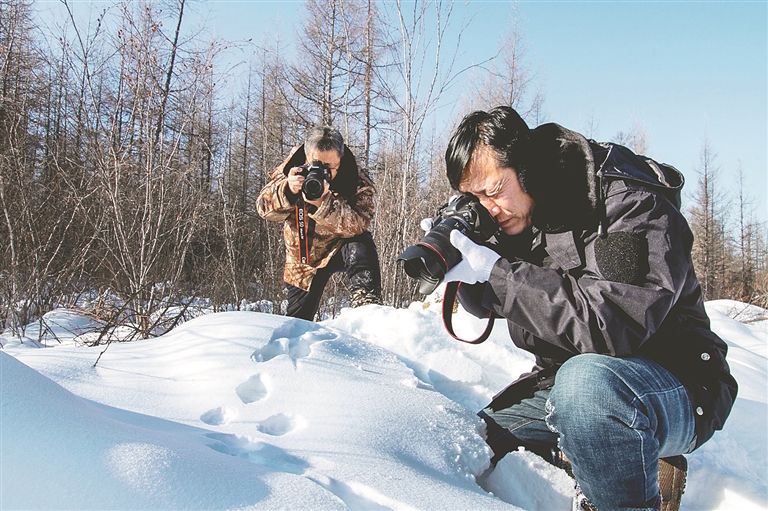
column 295, row 180
column 476, row 263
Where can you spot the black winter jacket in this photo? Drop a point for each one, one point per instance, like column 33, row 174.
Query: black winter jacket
column 606, row 269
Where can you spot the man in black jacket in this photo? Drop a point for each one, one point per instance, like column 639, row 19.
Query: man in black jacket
column 593, row 273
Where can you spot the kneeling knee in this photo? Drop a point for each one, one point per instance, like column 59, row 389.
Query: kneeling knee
column 586, row 386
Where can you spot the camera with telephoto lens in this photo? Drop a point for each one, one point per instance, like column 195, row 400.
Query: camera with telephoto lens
column 430, row 258
column 315, row 175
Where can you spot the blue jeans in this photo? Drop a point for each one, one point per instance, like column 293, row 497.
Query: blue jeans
column 613, row 417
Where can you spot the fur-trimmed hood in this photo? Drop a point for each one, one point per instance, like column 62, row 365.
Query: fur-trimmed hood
column 557, row 170
column 566, row 174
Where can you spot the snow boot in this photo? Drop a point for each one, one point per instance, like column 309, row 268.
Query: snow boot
column 672, row 475
column 362, row 296
column 560, row 460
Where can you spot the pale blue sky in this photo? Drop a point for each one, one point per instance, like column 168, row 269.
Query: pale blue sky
column 685, row 70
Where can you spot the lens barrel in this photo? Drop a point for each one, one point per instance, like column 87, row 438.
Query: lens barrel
column 314, row 185
column 430, row 258
column 315, row 175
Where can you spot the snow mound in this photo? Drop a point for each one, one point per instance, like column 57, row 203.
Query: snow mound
column 375, row 409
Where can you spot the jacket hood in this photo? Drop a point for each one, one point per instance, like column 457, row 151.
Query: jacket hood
column 345, row 182
column 621, row 163
column 565, row 174
column 557, row 170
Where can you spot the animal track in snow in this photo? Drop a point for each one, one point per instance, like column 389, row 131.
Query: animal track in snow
column 294, row 338
column 277, row 425
column 219, row 416
column 257, row 452
column 273, row 348
column 359, row 496
column 253, row 389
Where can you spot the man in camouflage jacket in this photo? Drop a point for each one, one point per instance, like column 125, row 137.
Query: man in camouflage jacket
column 328, row 234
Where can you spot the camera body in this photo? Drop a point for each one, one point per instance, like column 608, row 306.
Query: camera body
column 315, row 175
column 431, row 257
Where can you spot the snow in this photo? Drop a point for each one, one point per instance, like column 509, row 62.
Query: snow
column 374, row 409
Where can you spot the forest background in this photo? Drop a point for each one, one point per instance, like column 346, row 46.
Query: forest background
column 134, row 140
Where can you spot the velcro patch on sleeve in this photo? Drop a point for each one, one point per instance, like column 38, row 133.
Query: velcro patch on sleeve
column 622, row 257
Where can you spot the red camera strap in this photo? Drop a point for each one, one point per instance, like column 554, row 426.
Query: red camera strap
column 449, row 298
column 302, row 226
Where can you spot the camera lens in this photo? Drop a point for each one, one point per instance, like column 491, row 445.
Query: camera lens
column 429, row 259
column 314, row 181
column 313, row 186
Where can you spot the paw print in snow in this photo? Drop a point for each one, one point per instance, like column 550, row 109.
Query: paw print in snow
column 294, row 338
column 278, row 425
column 252, row 390
column 219, row 416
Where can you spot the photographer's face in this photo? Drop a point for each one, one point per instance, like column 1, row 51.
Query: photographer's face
column 498, row 190
column 330, row 159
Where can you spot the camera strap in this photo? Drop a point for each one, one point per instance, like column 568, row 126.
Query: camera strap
column 302, row 226
column 449, row 299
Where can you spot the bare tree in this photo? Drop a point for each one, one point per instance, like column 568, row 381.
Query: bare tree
column 744, row 281
column 761, row 266
column 708, row 224
column 635, row 139
column 372, row 36
column 35, row 236
column 16, row 75
column 591, row 125
column 421, row 71
column 507, row 79
column 149, row 146
column 247, row 253
column 326, row 75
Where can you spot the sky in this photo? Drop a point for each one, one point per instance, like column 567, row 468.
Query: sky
column 687, row 71
column 372, row 410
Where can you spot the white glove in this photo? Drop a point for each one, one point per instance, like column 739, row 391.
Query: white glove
column 476, row 263
column 426, row 224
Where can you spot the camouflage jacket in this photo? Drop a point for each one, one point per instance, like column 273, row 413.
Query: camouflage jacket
column 345, row 212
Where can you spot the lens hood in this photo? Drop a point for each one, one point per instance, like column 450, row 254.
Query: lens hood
column 421, row 262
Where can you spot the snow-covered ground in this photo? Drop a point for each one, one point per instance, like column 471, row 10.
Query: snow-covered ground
column 372, row 410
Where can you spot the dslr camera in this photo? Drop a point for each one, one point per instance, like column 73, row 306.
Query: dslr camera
column 315, row 175
column 430, row 258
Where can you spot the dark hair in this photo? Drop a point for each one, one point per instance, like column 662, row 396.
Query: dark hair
column 500, row 129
